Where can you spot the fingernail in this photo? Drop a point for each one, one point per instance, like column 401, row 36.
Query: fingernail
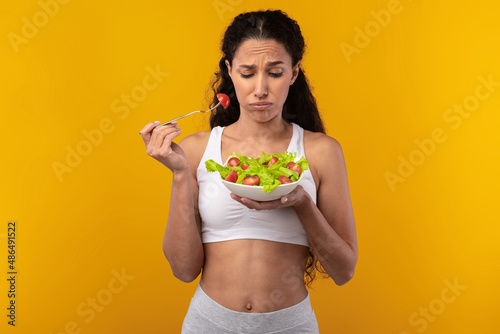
column 157, row 122
column 285, row 199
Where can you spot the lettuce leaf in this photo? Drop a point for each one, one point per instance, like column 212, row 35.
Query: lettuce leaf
column 213, row 166
column 269, row 187
column 303, row 163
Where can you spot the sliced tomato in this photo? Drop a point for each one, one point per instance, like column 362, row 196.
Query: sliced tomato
column 245, row 167
column 284, row 180
column 294, row 167
column 251, row 180
column 232, row 176
column 272, row 161
column 223, row 99
column 233, row 162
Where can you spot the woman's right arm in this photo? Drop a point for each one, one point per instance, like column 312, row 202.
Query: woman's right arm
column 182, row 241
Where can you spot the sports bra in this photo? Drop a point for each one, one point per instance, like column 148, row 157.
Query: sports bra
column 223, row 218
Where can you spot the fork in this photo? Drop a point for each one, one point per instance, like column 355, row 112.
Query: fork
column 192, row 112
column 223, row 99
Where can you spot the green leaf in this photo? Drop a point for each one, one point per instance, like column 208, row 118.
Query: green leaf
column 264, row 157
column 213, row 166
column 303, row 163
column 269, row 187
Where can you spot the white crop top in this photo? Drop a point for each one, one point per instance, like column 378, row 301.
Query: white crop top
column 223, row 218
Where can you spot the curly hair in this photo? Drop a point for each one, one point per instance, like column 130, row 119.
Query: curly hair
column 300, row 106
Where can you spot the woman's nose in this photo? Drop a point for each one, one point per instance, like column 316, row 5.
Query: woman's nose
column 261, row 88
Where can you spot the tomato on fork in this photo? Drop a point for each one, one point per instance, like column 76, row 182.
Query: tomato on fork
column 223, row 99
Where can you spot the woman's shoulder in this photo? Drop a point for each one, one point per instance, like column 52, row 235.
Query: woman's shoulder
column 194, row 144
column 317, row 142
column 321, row 149
column 196, row 138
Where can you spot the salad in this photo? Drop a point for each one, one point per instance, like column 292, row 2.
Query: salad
column 269, row 171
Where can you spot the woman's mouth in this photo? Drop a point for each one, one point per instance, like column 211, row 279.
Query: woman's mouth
column 260, row 105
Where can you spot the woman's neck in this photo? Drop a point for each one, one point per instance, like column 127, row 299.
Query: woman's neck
column 270, row 131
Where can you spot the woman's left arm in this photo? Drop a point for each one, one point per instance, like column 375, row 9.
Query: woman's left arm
column 329, row 224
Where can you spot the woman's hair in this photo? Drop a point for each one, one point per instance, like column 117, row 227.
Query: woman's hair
column 300, row 106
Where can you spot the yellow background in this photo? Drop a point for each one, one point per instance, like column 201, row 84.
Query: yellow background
column 109, row 212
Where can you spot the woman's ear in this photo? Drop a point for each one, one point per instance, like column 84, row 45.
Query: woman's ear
column 228, row 68
column 295, row 72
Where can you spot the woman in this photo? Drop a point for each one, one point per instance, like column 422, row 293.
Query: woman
column 254, row 254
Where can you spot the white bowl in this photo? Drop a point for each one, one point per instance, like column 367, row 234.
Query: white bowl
column 257, row 193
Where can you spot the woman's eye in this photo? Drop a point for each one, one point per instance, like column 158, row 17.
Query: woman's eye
column 272, row 74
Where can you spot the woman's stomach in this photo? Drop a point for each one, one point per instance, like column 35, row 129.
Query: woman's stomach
column 254, row 276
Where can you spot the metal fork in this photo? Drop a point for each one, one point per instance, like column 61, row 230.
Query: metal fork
column 192, row 112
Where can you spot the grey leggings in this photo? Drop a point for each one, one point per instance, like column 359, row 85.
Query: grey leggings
column 206, row 316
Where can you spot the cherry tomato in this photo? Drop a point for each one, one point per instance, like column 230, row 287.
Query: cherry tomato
column 232, row 176
column 272, row 161
column 284, row 180
column 223, row 99
column 233, row 162
column 251, row 180
column 294, row 167
column 245, row 167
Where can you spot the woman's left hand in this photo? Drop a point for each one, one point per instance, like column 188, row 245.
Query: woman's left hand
column 297, row 197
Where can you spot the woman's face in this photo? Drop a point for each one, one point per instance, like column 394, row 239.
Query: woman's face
column 262, row 74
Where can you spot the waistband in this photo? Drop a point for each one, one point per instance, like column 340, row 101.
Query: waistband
column 276, row 321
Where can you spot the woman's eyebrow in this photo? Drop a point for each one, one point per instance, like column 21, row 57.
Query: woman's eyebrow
column 274, row 63
column 248, row 66
column 269, row 64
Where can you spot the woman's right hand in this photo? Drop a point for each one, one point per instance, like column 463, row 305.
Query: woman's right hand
column 160, row 146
